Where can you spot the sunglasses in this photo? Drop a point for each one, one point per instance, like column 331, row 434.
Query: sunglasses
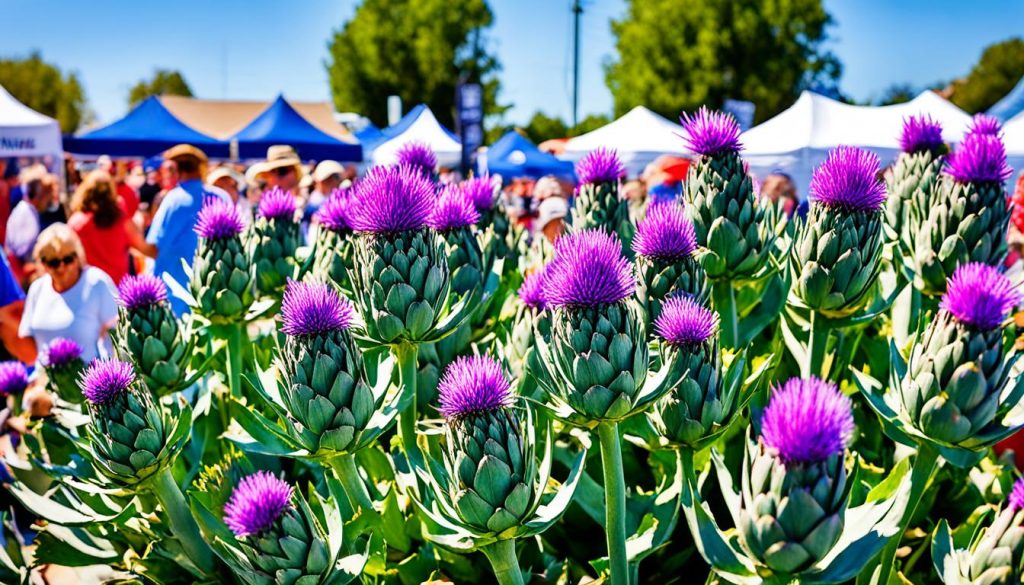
column 56, row 263
column 283, row 171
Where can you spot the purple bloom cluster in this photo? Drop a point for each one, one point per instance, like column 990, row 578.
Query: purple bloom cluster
column 979, row 295
column 480, row 190
column 218, row 220
column 665, row 234
column 277, row 204
column 709, row 132
column 980, row 158
column 256, row 503
column 920, row 134
column 452, row 210
column 985, row 124
column 13, row 378
column 531, row 292
column 314, row 308
column 61, row 352
column 335, row 213
column 419, row 156
column 807, row 420
column 143, row 290
column 106, row 379
column 588, row 270
column 473, row 385
column 683, row 321
column 391, row 200
column 848, row 180
column 1016, row 498
column 601, row 165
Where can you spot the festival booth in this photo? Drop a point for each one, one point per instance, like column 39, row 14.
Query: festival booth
column 419, row 125
column 514, row 156
column 280, row 123
column 1013, row 138
column 26, row 132
column 639, row 137
column 798, row 139
column 1011, row 104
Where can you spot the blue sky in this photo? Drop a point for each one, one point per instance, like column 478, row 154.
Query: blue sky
column 253, row 49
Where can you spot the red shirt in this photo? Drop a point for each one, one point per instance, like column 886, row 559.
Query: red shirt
column 105, row 248
column 130, row 199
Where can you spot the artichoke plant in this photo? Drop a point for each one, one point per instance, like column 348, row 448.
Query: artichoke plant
column 62, row 361
column 275, row 238
column 418, row 157
column 598, row 201
column 912, row 179
column 223, row 277
column 334, row 252
column 483, row 191
column 666, row 261
column 531, row 319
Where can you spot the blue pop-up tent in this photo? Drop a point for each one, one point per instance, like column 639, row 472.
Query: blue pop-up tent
column 147, row 130
column 281, row 124
column 515, row 156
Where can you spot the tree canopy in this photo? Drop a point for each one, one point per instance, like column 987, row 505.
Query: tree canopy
column 997, row 71
column 675, row 56
column 44, row 88
column 163, row 82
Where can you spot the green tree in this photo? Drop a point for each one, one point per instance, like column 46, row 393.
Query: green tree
column 44, row 88
column 897, row 93
column 164, row 82
column 591, row 122
column 542, row 127
column 415, row 49
column 1000, row 68
column 675, row 56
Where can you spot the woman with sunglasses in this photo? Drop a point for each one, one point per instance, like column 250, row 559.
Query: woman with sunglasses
column 72, row 299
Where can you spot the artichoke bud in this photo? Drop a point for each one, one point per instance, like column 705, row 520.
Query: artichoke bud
column 997, row 553
column 275, row 238
column 148, row 335
column 913, row 177
column 598, row 203
column 665, row 244
column 222, row 273
column 62, row 360
column 334, row 254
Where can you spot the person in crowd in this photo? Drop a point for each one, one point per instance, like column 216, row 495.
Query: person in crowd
column 232, row 182
column 551, row 217
column 327, row 176
column 12, row 176
column 24, row 225
column 12, row 304
column 72, row 299
column 282, row 169
column 124, row 190
column 100, row 218
column 168, row 181
column 779, row 186
column 72, row 178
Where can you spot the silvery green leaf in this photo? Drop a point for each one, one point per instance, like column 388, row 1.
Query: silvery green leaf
column 177, row 289
column 658, row 524
column 547, row 514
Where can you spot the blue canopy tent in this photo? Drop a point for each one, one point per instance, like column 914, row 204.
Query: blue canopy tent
column 147, row 130
column 281, row 124
column 515, row 156
column 369, row 136
column 1011, row 104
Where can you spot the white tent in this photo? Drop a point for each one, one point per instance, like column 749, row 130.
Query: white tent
column 25, row 132
column 640, row 136
column 1013, row 137
column 798, row 139
column 419, row 125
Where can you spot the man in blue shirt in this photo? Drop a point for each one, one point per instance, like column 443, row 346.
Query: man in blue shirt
column 172, row 228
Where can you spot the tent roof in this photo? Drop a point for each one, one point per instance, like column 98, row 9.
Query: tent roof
column 280, row 123
column 1013, row 135
column 418, row 125
column 14, row 114
column 1010, row 105
column 223, row 118
column 513, row 155
column 639, row 136
column 24, row 131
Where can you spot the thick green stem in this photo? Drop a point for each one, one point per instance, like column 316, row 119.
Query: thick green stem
column 816, row 345
column 234, row 337
column 614, row 502
column 921, row 473
column 725, row 303
column 905, row 313
column 406, row 354
column 344, row 467
column 182, row 524
column 502, row 555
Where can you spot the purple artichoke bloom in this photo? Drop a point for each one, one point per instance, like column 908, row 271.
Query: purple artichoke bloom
column 984, row 124
column 390, row 200
column 13, row 378
column 106, row 379
column 979, row 295
column 683, row 321
column 665, row 234
column 143, row 290
column 277, row 204
column 848, row 180
column 314, row 308
column 256, row 503
column 61, row 352
column 601, row 165
column 588, row 270
column 807, row 420
column 335, row 213
column 473, row 385
column 709, row 133
column 480, row 190
column 218, row 220
column 531, row 292
column 452, row 210
column 419, row 156
column 1016, row 498
column 920, row 134
column 980, row 158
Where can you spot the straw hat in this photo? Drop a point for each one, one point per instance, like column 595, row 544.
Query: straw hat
column 551, row 209
column 326, row 168
column 185, row 150
column 225, row 171
column 278, row 155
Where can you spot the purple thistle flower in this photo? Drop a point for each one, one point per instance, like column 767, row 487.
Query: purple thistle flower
column 980, row 158
column 136, row 292
column 61, row 352
column 807, row 420
column 531, row 292
column 848, row 180
column 984, row 124
column 709, row 132
column 256, row 503
column 601, row 165
column 452, row 210
column 218, row 220
column 391, row 199
column 13, row 378
column 277, row 204
column 683, row 321
column 920, row 134
column 335, row 213
column 419, row 156
column 665, row 234
column 106, row 379
column 480, row 190
column 473, row 385
column 314, row 308
column 588, row 270
column 1016, row 498
column 979, row 295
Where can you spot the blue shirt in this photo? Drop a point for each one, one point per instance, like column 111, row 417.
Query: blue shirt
column 172, row 233
column 10, row 291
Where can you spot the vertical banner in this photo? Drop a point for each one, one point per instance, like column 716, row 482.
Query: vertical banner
column 470, row 105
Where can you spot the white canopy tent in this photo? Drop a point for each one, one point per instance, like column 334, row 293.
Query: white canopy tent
column 25, row 132
column 640, row 136
column 798, row 139
column 1013, row 138
column 419, row 125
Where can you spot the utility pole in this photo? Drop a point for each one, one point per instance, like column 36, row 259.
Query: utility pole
column 577, row 10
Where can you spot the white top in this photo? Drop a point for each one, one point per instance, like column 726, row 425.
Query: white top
column 78, row 313
column 22, row 230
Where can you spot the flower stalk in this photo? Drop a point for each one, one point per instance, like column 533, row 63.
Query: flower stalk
column 344, row 467
column 615, row 501
column 502, row 556
column 924, row 467
column 406, row 355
